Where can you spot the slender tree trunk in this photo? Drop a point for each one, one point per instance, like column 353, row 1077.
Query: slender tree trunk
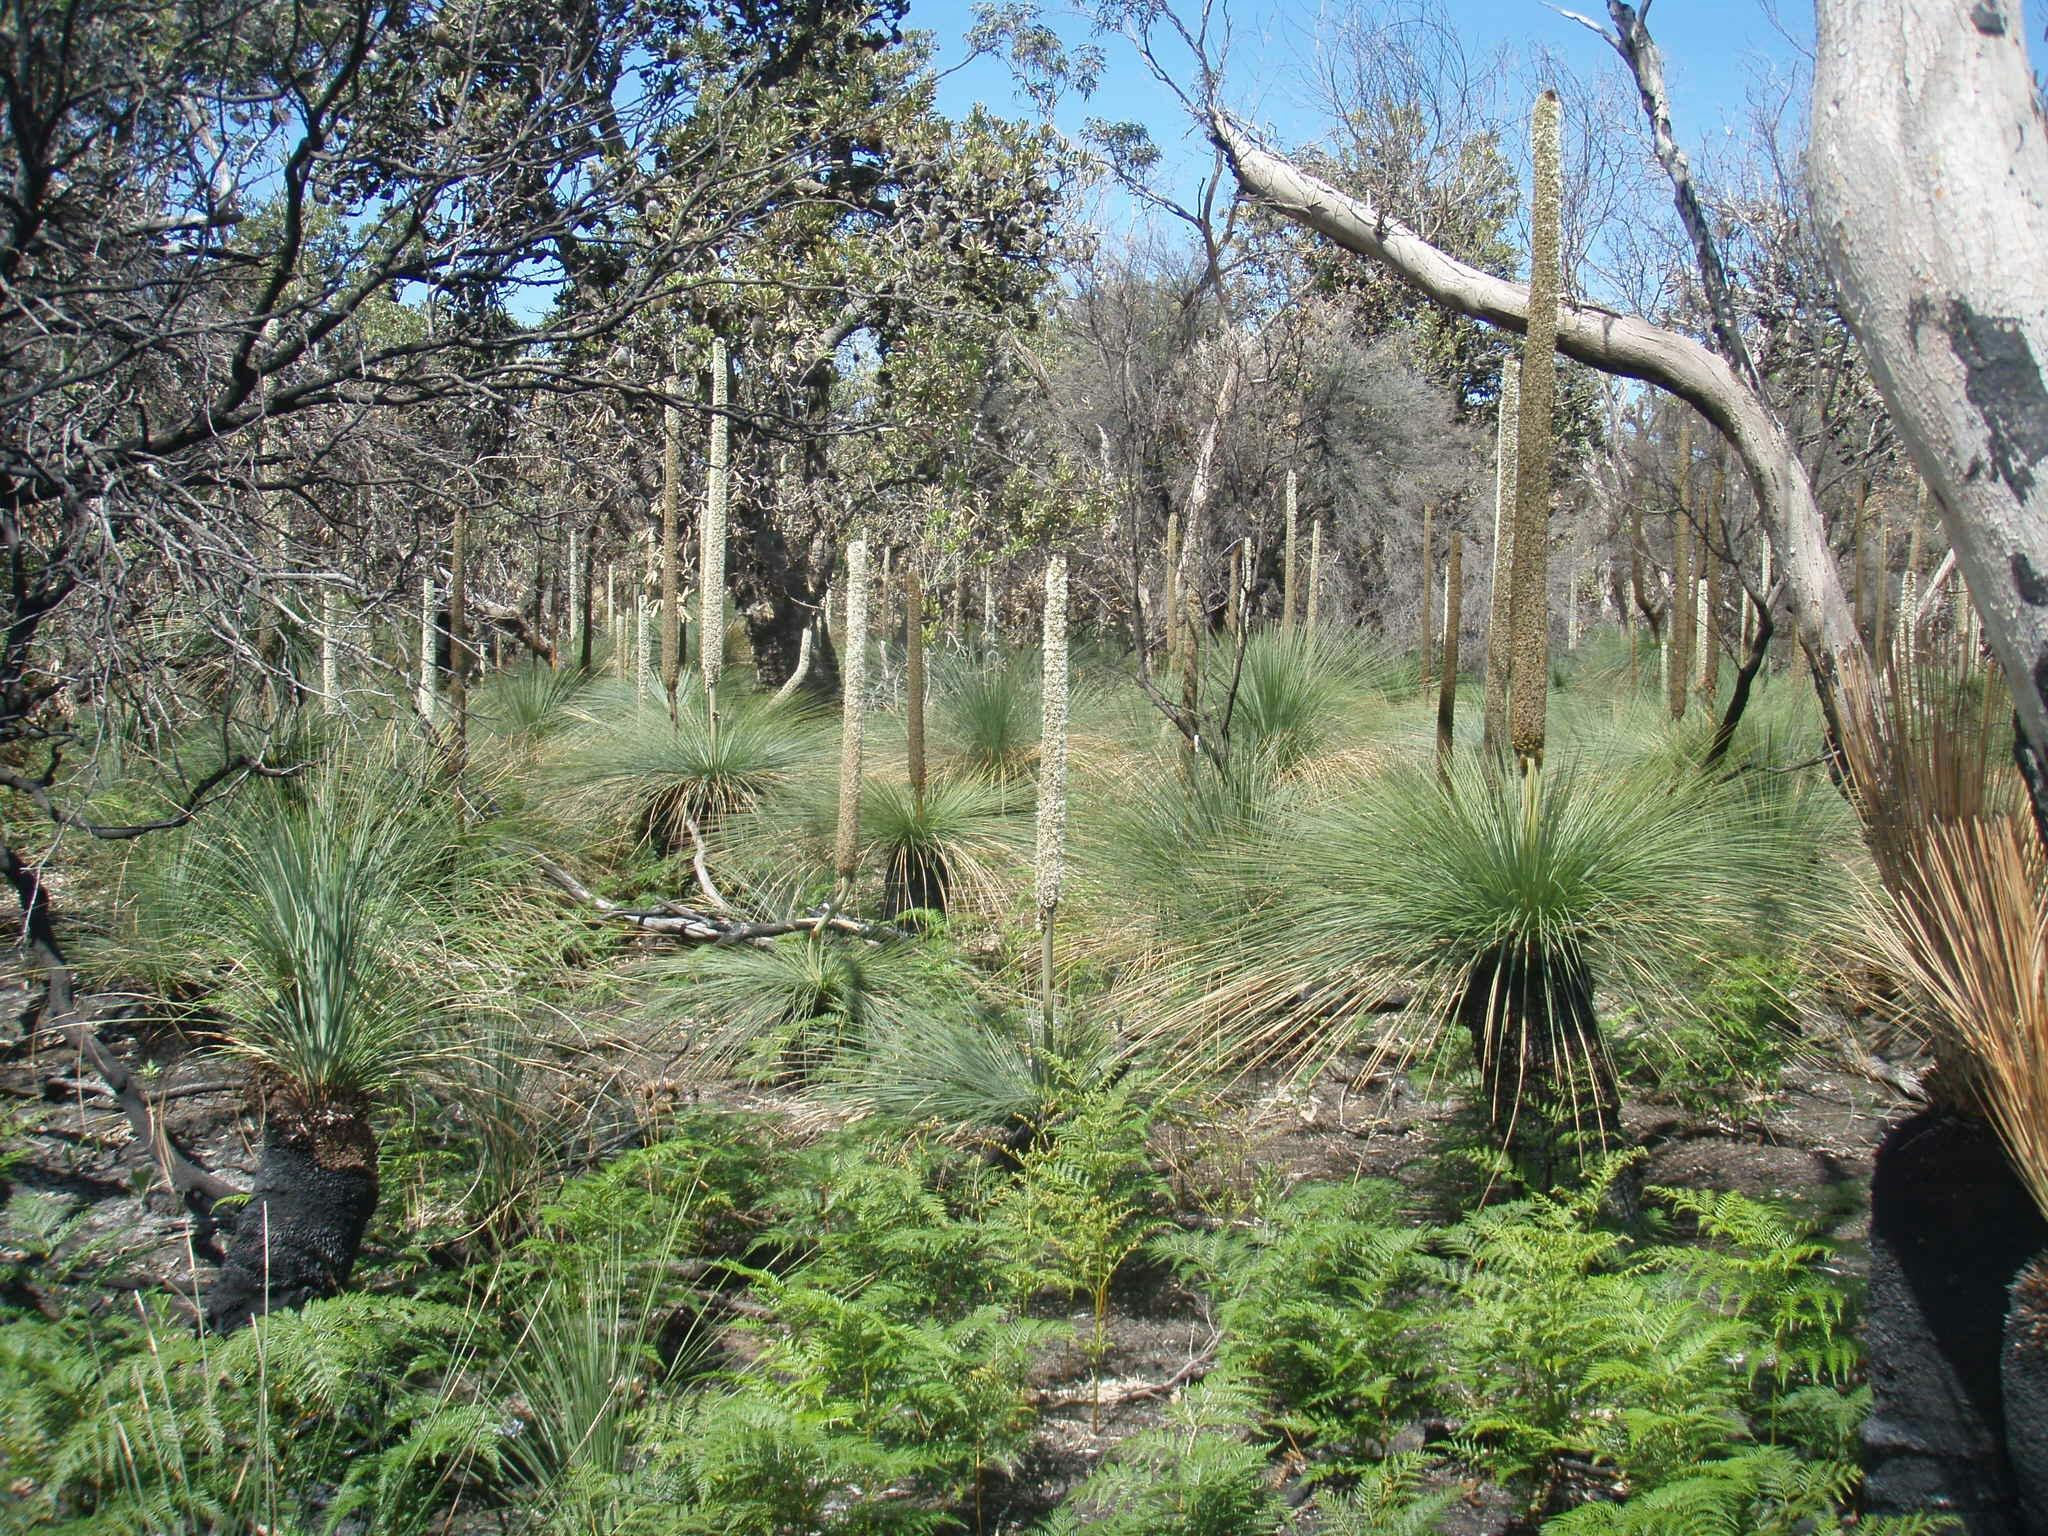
column 1172, row 576
column 1315, row 572
column 1679, row 650
column 423, row 697
column 853, row 718
column 330, row 663
column 671, row 554
column 1710, row 608
column 1052, row 775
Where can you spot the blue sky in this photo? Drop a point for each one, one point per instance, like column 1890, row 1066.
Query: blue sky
column 1715, row 52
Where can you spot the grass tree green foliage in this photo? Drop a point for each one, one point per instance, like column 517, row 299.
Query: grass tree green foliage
column 988, row 711
column 1298, row 692
column 652, row 776
column 958, row 838
column 790, row 1007
column 527, row 704
column 320, row 913
column 1501, row 906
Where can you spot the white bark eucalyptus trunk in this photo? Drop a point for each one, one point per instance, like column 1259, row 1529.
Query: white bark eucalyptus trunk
column 1618, row 344
column 1929, row 176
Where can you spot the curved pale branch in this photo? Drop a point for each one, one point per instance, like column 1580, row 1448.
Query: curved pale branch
column 1612, row 343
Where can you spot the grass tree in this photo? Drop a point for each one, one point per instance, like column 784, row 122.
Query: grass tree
column 1496, row 911
column 320, row 918
column 1529, row 593
column 1052, row 773
column 668, row 782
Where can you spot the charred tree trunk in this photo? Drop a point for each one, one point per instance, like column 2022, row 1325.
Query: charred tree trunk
column 1543, row 1067
column 2023, row 1375
column 297, row 1238
column 780, row 589
column 1950, row 1228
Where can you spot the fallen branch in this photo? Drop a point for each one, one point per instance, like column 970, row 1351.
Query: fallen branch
column 1138, row 1392
column 671, row 920
column 199, row 1188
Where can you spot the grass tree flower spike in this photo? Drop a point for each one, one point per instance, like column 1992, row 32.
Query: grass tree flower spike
column 1529, row 593
column 717, row 507
column 1506, row 455
column 853, row 683
column 1052, row 766
column 424, row 699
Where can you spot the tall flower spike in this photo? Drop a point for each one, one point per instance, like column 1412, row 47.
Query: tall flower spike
column 717, row 507
column 853, row 676
column 1529, row 595
column 1315, row 571
column 424, row 698
column 1052, row 768
column 1506, row 453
